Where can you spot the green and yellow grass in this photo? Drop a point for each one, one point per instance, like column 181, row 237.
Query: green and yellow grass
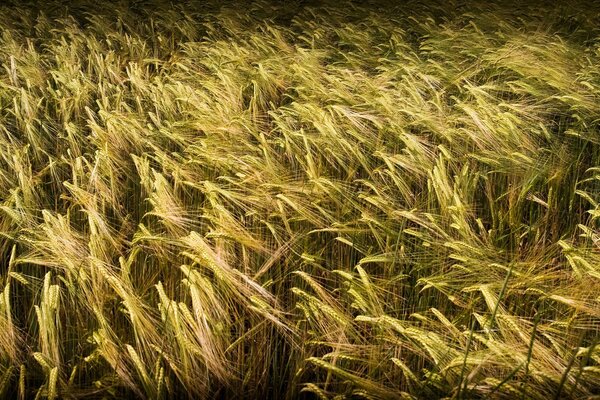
column 317, row 201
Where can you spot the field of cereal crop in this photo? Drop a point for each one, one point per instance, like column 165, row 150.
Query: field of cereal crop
column 315, row 200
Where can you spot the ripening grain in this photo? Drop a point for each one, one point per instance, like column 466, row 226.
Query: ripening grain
column 311, row 201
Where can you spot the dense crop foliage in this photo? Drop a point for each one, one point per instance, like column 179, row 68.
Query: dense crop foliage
column 319, row 201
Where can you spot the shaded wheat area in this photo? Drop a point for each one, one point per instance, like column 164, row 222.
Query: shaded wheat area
column 304, row 201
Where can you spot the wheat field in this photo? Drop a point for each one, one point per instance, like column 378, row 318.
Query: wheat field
column 315, row 200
